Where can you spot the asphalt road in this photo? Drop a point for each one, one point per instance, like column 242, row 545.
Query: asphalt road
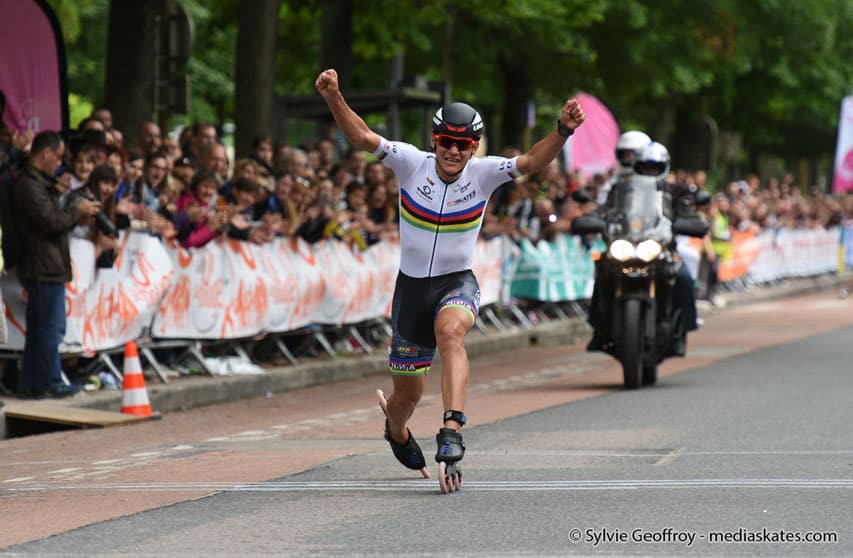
column 743, row 445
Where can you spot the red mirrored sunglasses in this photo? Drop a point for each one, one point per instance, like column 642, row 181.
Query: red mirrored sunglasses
column 462, row 144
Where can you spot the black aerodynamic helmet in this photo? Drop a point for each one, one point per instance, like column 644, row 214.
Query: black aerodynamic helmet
column 458, row 119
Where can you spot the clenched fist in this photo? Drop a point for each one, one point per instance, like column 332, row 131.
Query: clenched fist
column 572, row 114
column 327, row 82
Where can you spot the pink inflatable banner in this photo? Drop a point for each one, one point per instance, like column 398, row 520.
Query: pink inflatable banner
column 31, row 66
column 843, row 181
column 591, row 148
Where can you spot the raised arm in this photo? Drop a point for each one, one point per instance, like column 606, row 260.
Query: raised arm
column 544, row 151
column 352, row 125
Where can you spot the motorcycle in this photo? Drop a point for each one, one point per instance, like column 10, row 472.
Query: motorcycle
column 636, row 275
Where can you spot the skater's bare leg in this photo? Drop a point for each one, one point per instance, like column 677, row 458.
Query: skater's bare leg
column 408, row 390
column 451, row 326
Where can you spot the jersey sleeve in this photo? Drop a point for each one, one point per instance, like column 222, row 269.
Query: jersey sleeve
column 402, row 157
column 493, row 171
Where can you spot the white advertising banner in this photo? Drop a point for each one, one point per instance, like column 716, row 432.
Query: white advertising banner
column 297, row 285
column 795, row 253
column 230, row 289
column 106, row 307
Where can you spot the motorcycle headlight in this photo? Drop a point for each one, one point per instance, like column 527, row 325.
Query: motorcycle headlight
column 648, row 250
column 621, row 250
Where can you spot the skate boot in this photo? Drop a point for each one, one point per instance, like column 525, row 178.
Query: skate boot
column 409, row 454
column 450, row 452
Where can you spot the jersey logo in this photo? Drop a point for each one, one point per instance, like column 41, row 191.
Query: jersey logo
column 425, row 191
column 467, row 197
column 461, row 188
column 392, row 147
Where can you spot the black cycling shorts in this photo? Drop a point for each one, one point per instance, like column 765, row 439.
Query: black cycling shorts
column 416, row 304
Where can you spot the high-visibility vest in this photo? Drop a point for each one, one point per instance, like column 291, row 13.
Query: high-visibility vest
column 721, row 236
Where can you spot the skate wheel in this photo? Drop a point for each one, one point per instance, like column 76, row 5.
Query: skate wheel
column 449, row 478
column 443, row 480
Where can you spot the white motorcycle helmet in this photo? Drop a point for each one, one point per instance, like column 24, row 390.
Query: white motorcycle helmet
column 653, row 161
column 628, row 149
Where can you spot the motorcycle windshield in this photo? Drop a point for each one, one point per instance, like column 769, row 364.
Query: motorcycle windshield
column 635, row 210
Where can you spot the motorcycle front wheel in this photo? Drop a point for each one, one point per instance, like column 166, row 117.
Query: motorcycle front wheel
column 650, row 374
column 631, row 346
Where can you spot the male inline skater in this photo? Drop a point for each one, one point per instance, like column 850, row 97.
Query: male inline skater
column 443, row 195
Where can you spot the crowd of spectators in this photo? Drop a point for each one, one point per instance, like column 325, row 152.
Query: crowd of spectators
column 187, row 190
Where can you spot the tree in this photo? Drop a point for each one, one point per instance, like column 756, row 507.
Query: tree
column 129, row 88
column 336, row 38
column 254, row 72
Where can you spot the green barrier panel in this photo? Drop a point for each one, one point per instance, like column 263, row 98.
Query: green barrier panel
column 556, row 271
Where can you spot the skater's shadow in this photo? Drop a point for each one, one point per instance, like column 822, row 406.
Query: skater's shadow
column 608, row 386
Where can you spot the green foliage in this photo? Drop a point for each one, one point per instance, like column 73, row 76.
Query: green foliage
column 298, row 48
column 211, row 67
column 84, row 28
column 801, row 66
column 78, row 109
column 773, row 70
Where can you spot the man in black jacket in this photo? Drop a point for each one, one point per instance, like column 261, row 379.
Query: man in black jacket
column 43, row 225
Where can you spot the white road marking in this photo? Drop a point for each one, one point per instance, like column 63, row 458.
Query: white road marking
column 103, row 468
column 63, row 471
column 639, row 452
column 424, row 485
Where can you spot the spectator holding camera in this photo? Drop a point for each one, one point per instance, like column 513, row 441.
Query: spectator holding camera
column 44, row 224
column 100, row 229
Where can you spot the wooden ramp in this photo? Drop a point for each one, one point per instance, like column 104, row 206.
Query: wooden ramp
column 33, row 417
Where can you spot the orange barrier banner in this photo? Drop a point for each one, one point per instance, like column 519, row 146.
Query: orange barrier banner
column 745, row 248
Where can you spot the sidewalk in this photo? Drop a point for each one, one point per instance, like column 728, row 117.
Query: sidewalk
column 188, row 392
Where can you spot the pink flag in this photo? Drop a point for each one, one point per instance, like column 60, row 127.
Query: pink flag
column 32, row 66
column 591, row 148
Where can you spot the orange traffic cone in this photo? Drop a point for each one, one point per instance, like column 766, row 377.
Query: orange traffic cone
column 134, row 397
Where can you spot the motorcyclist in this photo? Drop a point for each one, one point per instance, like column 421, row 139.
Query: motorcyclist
column 676, row 202
column 628, row 149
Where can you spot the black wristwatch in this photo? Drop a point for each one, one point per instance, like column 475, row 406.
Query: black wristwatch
column 564, row 130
